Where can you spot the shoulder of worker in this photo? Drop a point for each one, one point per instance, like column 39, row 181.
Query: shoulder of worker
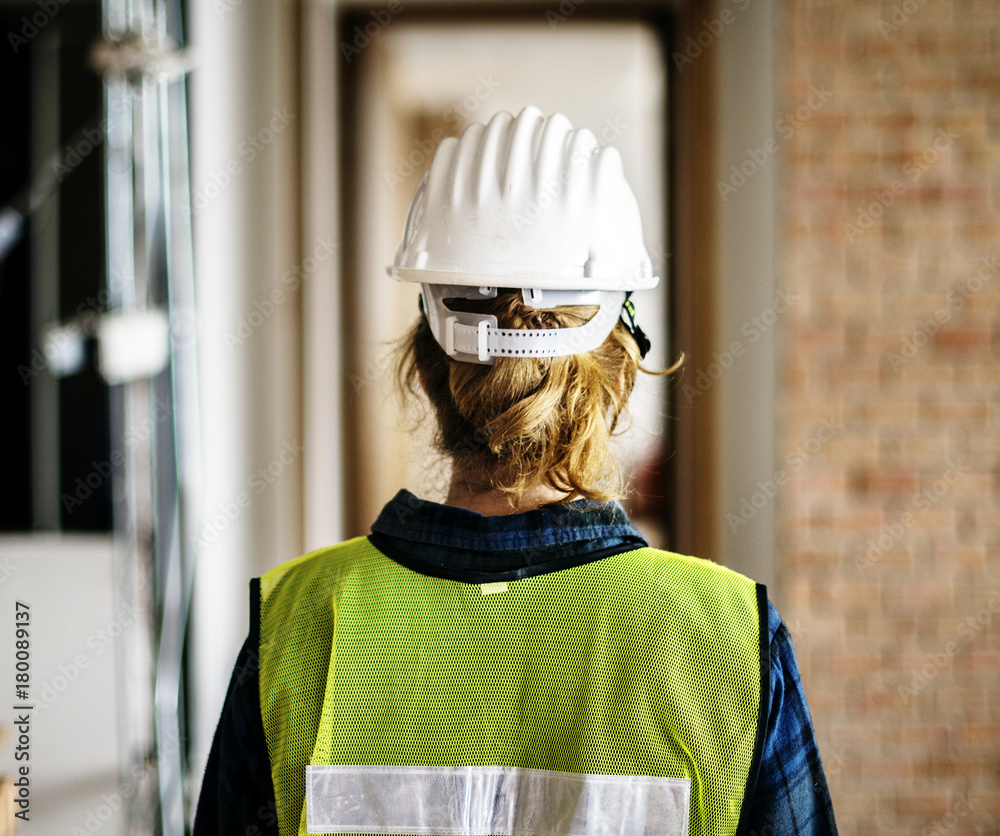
column 696, row 586
column 691, row 566
column 316, row 569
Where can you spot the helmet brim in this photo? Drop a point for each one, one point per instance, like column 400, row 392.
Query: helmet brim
column 547, row 280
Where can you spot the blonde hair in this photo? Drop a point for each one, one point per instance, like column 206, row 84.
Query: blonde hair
column 528, row 421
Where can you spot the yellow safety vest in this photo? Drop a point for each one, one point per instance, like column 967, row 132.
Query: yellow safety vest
column 625, row 695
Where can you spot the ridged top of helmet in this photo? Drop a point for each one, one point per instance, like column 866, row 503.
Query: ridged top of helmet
column 525, row 202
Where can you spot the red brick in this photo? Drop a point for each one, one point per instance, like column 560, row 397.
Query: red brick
column 873, row 481
column 941, row 69
column 962, row 339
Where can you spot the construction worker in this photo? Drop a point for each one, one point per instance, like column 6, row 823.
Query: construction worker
column 516, row 659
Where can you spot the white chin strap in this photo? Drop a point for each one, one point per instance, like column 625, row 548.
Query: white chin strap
column 476, row 338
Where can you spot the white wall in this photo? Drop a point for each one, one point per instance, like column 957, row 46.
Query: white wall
column 745, row 235
column 245, row 127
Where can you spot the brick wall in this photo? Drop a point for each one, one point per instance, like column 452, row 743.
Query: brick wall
column 890, row 529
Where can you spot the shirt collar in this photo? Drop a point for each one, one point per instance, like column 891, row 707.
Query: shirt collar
column 408, row 517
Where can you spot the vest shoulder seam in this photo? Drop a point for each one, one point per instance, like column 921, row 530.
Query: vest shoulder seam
column 269, row 580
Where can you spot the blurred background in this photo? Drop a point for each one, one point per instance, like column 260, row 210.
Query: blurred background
column 197, row 203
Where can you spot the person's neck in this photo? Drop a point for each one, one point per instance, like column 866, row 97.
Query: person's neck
column 463, row 494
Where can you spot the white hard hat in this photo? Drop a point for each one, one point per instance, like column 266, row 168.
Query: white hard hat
column 530, row 203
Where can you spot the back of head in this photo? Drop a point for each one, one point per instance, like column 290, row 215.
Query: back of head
column 527, row 421
column 527, row 242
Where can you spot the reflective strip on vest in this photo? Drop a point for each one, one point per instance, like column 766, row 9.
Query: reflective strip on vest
column 473, row 800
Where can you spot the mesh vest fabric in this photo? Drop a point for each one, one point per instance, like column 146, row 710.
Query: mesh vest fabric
column 642, row 663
